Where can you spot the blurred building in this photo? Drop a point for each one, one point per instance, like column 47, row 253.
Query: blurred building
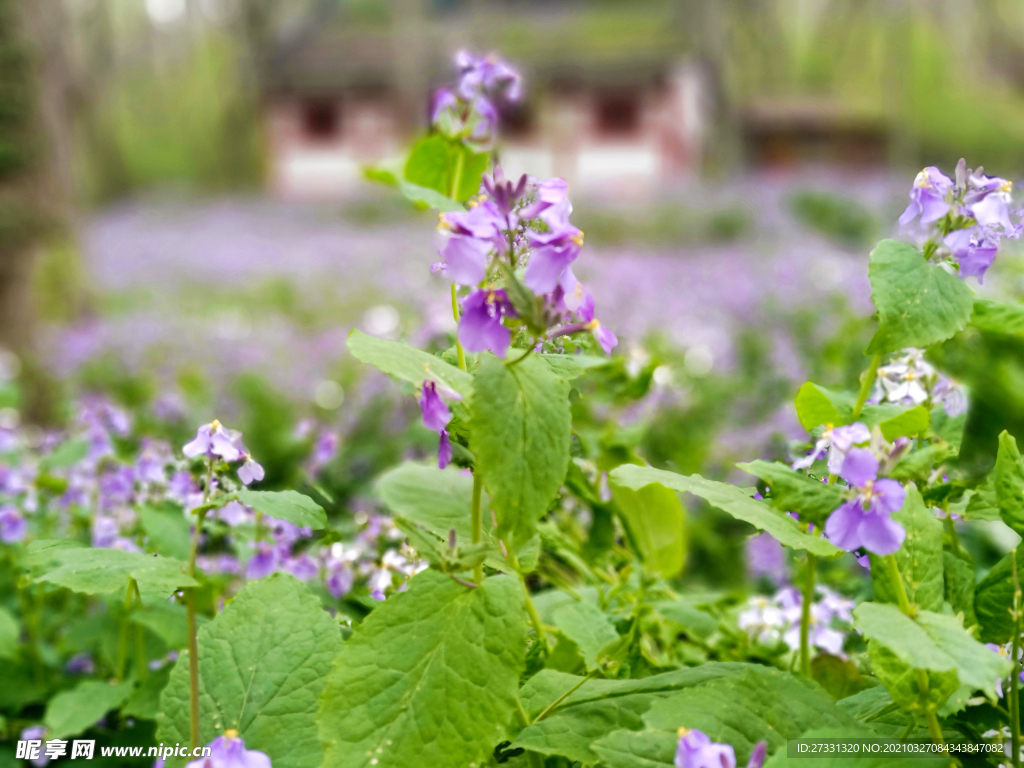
column 608, row 105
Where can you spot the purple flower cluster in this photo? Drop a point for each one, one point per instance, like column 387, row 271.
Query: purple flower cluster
column 469, row 111
column 522, row 225
column 864, row 522
column 963, row 220
column 213, row 441
column 696, row 750
column 771, row 619
column 908, row 379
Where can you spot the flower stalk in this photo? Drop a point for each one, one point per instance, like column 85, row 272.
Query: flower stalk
column 805, row 616
column 866, row 384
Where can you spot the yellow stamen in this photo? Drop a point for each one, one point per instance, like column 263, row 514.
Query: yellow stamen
column 593, row 325
column 1006, row 186
column 230, row 733
column 214, row 425
column 682, row 731
column 578, row 239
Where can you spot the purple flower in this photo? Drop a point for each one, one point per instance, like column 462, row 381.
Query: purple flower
column 480, row 326
column 214, row 440
column 228, row 751
column 436, row 417
column 929, row 197
column 766, row 557
column 605, row 337
column 80, row 664
column 489, row 74
column 837, row 441
column 988, row 201
column 864, row 521
column 13, row 526
column 303, row 567
column 502, row 191
column 553, row 252
column 473, row 234
column 263, row 563
column 235, row 513
column 696, row 750
column 973, row 250
column 339, row 581
column 250, row 471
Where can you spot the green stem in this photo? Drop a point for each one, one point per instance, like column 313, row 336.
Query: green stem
column 141, row 670
column 894, row 576
column 953, row 537
column 531, row 611
column 865, row 386
column 122, row 635
column 478, row 522
column 456, row 177
column 805, row 617
column 458, row 345
column 563, row 697
column 190, row 615
column 1015, row 671
column 933, row 722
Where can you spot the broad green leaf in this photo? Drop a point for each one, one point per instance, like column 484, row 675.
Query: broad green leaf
column 918, row 303
column 292, row 506
column 949, row 428
column 435, row 500
column 167, row 621
column 919, row 559
column 897, row 420
column 839, row 677
column 959, row 577
column 71, row 712
column 689, row 613
column 429, row 197
column 105, row 571
column 519, row 433
column 599, row 706
column 570, row 366
column 984, row 503
column 429, row 678
column 781, row 759
column 741, row 710
column 918, row 465
column 433, row 162
column 262, row 664
column 904, row 684
column 1009, row 483
column 729, row 499
column 816, row 406
column 408, row 363
column 934, row 642
column 794, row 491
column 168, row 531
column 993, row 599
column 655, row 519
column 997, row 317
column 587, row 626
column 873, row 707
column 9, row 631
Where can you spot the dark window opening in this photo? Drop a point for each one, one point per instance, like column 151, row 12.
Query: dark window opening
column 320, row 120
column 517, row 120
column 618, row 115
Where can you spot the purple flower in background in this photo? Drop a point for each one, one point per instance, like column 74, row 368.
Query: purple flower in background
column 696, row 750
column 929, row 197
column 235, row 513
column 263, row 563
column 303, row 567
column 837, row 441
column 13, row 526
column 80, row 664
column 250, row 471
column 228, row 751
column 490, row 74
column 766, row 557
column 864, row 521
column 480, row 326
column 214, row 440
column 436, row 417
column 973, row 251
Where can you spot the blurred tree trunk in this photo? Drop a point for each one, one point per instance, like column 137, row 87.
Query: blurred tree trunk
column 35, row 163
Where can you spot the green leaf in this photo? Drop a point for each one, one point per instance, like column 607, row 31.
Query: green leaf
column 569, row 367
column 66, row 454
column 168, row 531
column 262, row 664
column 292, row 506
column 1008, row 478
column 688, row 612
column 839, row 677
column 959, row 577
column 904, row 684
column 934, row 642
column 586, row 625
column 897, row 420
column 655, row 519
column 9, row 632
column 105, row 571
column 984, row 503
column 599, row 706
column 432, row 164
column 167, row 621
column 435, row 499
column 408, row 363
column 729, row 499
column 997, row 317
column 918, row 465
column 993, row 599
column 793, row 491
column 919, row 559
column 428, row 197
column 429, row 678
column 918, row 303
column 71, row 712
column 816, row 406
column 519, row 433
column 741, row 710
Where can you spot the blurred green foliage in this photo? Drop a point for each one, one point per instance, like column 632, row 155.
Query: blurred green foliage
column 843, row 219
